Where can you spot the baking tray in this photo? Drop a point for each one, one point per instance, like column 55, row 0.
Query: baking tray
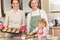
column 10, row 30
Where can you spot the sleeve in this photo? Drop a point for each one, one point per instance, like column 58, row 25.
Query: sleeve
column 23, row 19
column 6, row 20
column 36, row 29
column 45, row 32
column 44, row 15
column 28, row 23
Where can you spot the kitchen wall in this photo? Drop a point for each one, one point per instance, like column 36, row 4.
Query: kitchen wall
column 45, row 5
column 51, row 15
column 7, row 5
column 26, row 6
column 0, row 8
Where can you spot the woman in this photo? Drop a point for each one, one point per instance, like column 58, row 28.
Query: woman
column 15, row 18
column 35, row 15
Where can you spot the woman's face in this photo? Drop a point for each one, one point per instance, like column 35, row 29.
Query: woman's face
column 34, row 4
column 15, row 4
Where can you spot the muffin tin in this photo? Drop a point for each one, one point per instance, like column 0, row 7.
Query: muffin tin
column 10, row 30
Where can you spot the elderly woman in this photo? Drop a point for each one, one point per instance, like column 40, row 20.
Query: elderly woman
column 15, row 18
column 35, row 15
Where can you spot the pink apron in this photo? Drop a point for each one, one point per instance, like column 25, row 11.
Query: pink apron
column 40, row 31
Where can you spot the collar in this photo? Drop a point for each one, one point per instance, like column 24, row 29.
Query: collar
column 14, row 11
column 35, row 10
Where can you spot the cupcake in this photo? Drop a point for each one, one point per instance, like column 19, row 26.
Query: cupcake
column 13, row 30
column 5, row 29
column 9, row 30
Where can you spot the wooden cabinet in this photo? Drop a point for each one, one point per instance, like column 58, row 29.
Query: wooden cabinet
column 55, row 31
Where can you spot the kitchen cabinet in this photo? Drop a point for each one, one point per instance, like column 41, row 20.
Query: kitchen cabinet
column 55, row 31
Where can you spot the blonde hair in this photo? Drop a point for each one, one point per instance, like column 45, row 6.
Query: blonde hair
column 42, row 21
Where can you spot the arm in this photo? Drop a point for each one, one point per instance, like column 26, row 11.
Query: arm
column 28, row 23
column 34, row 31
column 23, row 19
column 45, row 31
column 6, row 20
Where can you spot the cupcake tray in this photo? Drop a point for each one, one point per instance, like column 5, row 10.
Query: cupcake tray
column 10, row 30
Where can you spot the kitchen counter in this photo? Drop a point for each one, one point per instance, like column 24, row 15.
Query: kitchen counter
column 55, row 27
column 5, row 38
column 55, row 31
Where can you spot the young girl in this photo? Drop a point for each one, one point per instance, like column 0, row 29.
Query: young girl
column 41, row 28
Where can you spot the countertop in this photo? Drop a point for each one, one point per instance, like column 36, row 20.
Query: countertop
column 58, row 27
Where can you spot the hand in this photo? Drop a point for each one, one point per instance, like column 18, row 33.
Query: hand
column 30, row 33
column 23, row 28
column 1, row 26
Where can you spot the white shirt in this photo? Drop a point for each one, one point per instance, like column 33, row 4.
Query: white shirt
column 42, row 13
column 15, row 20
column 35, row 13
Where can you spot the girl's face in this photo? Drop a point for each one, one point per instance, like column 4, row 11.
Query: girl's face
column 34, row 4
column 41, row 25
column 15, row 4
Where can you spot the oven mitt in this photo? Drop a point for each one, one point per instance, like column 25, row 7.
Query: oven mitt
column 22, row 29
column 1, row 25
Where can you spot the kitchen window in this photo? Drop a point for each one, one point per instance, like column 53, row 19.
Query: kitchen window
column 54, row 5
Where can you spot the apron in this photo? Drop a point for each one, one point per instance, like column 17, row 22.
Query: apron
column 40, row 31
column 33, row 22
